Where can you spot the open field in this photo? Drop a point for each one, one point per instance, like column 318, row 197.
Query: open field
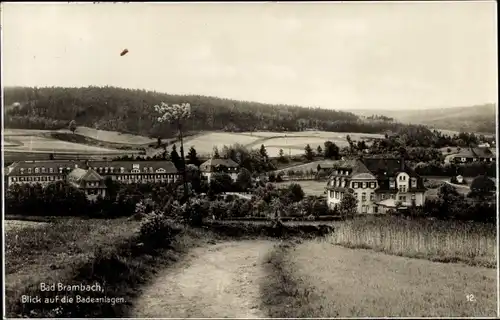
column 292, row 143
column 307, row 166
column 318, row 279
column 310, row 187
column 13, row 225
column 113, row 136
column 32, row 143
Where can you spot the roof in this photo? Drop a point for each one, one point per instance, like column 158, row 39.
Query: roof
column 206, row 166
column 15, row 168
column 128, row 165
column 56, row 164
column 477, row 152
column 79, row 175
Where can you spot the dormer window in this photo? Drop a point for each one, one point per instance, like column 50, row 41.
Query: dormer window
column 22, row 170
column 122, row 169
column 413, row 182
column 43, row 170
column 29, row 170
column 37, row 170
column 106, row 169
column 51, row 170
column 151, row 169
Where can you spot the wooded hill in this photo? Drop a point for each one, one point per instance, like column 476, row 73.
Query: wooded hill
column 131, row 111
column 478, row 118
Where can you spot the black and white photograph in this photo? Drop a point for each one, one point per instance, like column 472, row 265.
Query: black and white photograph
column 250, row 160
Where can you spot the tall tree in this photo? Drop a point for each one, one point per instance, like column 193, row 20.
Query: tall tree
column 174, row 157
column 215, row 154
column 193, row 157
column 331, row 150
column 72, row 126
column 319, row 150
column 263, row 152
column 309, row 152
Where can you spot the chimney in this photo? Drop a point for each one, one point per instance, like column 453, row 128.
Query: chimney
column 402, row 163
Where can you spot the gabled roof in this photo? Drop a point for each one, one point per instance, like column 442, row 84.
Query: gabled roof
column 206, row 166
column 79, row 175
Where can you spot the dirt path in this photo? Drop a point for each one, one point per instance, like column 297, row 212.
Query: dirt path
column 216, row 281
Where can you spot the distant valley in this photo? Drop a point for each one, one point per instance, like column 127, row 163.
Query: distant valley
column 478, row 118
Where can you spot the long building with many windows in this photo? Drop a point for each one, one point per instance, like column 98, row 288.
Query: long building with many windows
column 89, row 175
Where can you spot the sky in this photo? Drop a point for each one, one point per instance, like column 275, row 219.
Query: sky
column 332, row 55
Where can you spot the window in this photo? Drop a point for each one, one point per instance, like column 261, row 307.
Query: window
column 356, row 195
column 392, row 184
column 413, row 196
column 51, row 178
column 383, row 196
column 331, row 194
column 43, row 170
column 106, row 169
column 364, row 185
column 135, row 171
column 375, row 209
column 51, row 170
column 14, row 179
column 344, row 184
column 29, row 170
column 122, row 169
column 22, row 170
column 36, row 170
column 393, row 196
column 363, row 196
column 372, row 196
column 365, row 209
column 413, row 182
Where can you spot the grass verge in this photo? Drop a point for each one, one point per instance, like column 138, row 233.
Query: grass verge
column 318, row 279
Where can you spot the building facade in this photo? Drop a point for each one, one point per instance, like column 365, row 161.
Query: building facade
column 377, row 184
column 80, row 173
column 478, row 154
column 212, row 166
column 89, row 181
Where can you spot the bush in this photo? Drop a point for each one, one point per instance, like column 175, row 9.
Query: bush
column 157, row 229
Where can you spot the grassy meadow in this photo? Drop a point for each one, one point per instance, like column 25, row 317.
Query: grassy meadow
column 74, row 251
column 316, row 279
column 310, row 187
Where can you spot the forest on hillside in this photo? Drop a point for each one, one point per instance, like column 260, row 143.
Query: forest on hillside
column 131, row 111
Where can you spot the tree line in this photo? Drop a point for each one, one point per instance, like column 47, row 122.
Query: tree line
column 127, row 110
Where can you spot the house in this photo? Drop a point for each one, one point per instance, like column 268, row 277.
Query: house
column 45, row 172
column 473, row 154
column 227, row 166
column 89, row 181
column 378, row 184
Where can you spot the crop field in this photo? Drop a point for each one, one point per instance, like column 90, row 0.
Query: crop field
column 33, row 143
column 292, row 143
column 205, row 143
column 113, row 136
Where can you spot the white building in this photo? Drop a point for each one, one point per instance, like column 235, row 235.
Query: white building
column 377, row 184
column 227, row 166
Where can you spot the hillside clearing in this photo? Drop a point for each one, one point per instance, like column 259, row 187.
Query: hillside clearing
column 332, row 281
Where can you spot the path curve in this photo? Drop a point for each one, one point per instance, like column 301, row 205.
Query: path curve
column 221, row 280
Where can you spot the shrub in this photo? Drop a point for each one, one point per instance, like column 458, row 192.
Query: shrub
column 218, row 210
column 157, row 229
